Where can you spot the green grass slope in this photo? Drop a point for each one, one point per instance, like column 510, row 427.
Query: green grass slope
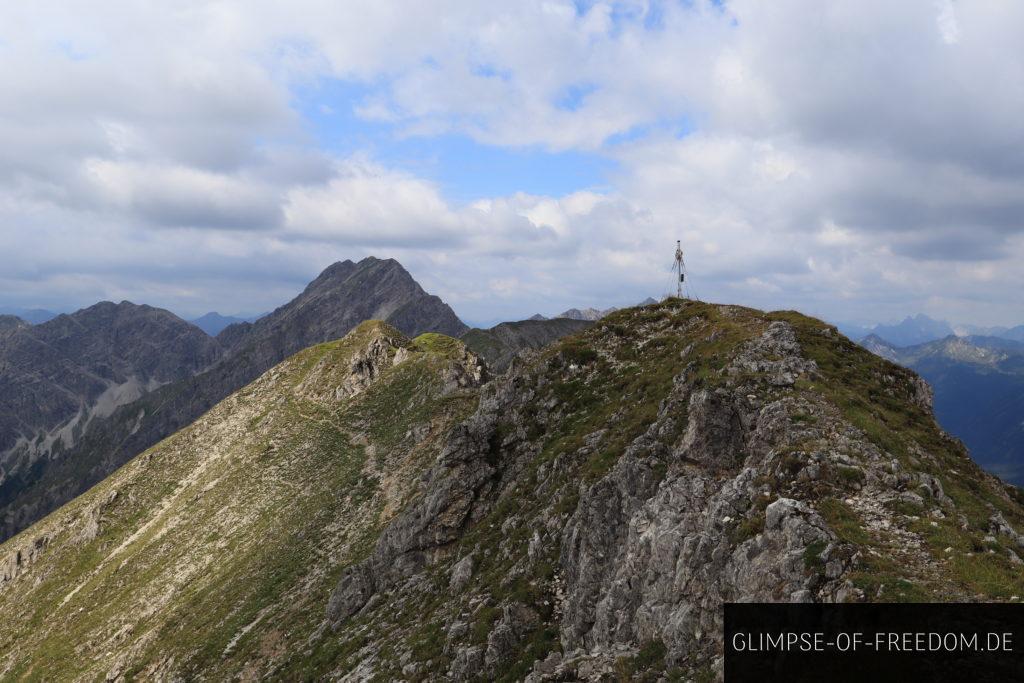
column 214, row 552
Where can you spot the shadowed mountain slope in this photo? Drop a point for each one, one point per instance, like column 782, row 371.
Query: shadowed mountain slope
column 58, row 377
column 979, row 394
column 10, row 323
column 498, row 345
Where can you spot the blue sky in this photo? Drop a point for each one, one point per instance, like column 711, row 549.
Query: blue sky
column 464, row 170
column 516, row 157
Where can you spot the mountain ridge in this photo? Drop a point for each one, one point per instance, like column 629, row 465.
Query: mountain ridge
column 213, row 323
column 32, row 316
column 371, row 507
column 58, row 377
column 342, row 296
column 501, row 344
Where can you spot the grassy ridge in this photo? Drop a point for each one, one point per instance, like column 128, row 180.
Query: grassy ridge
column 218, row 545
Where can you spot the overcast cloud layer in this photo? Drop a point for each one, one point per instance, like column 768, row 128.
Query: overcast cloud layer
column 857, row 160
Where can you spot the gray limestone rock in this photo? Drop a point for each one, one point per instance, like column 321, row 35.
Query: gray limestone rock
column 461, row 573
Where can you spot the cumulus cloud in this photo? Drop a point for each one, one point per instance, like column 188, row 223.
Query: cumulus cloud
column 366, row 205
column 182, row 196
column 855, row 159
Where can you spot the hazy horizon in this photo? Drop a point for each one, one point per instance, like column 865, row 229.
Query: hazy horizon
column 552, row 310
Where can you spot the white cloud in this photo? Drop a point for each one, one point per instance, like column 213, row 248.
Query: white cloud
column 367, row 205
column 843, row 157
column 946, row 21
column 181, row 196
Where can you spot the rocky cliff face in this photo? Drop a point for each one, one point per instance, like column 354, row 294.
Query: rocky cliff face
column 604, row 501
column 369, row 509
column 157, row 387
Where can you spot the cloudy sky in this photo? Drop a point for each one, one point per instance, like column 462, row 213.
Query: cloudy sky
column 857, row 160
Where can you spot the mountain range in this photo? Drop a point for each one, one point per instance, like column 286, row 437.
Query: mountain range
column 979, row 393
column 58, row 378
column 378, row 507
column 357, row 485
column 84, row 393
column 213, row 323
column 590, row 314
column 921, row 329
column 499, row 345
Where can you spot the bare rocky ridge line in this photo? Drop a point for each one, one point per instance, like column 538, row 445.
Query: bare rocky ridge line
column 669, row 536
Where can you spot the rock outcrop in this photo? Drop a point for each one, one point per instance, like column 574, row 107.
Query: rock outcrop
column 749, row 482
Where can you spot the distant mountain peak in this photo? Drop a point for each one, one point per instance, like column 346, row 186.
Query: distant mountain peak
column 913, row 330
column 33, row 316
column 62, row 375
column 213, row 323
column 591, row 314
column 594, row 314
column 875, row 339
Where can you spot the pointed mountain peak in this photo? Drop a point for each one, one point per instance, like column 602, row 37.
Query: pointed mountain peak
column 875, row 339
column 342, row 296
column 337, row 271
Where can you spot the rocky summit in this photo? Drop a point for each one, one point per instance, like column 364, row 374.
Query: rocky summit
column 378, row 508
